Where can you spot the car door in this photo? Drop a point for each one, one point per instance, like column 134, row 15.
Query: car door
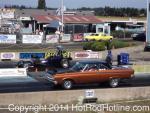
column 103, row 72
column 96, row 37
column 88, row 75
column 104, row 37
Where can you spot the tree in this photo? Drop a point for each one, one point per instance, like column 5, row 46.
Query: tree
column 41, row 4
column 121, row 12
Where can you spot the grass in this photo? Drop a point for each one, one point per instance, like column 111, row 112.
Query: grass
column 35, row 47
column 141, row 68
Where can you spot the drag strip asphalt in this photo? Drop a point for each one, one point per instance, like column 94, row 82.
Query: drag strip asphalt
column 29, row 84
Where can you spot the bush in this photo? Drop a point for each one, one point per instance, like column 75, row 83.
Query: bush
column 119, row 44
column 121, row 34
column 100, row 46
column 87, row 45
column 94, row 46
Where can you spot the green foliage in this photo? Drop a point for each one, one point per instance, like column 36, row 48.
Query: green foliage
column 94, row 46
column 87, row 45
column 41, row 4
column 121, row 12
column 117, row 34
column 119, row 44
column 100, row 46
column 121, row 34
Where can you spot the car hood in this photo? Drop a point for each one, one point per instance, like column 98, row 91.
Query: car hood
column 88, row 37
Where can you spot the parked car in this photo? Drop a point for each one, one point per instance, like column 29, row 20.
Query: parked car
column 85, row 72
column 147, row 47
column 98, row 37
column 139, row 36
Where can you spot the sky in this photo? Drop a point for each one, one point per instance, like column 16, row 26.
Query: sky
column 79, row 3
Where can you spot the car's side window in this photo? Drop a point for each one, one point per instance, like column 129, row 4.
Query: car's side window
column 81, row 67
column 85, row 68
column 92, row 67
column 102, row 67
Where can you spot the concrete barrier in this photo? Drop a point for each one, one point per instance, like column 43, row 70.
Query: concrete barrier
column 59, row 97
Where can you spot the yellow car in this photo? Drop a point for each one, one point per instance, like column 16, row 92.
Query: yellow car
column 98, row 37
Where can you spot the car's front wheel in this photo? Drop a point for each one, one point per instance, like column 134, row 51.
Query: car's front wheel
column 114, row 82
column 67, row 84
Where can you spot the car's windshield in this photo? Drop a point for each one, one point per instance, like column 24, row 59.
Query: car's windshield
column 79, row 66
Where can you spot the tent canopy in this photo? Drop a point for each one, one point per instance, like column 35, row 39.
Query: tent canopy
column 54, row 24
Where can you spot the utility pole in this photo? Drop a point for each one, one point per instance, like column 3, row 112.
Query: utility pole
column 62, row 15
column 147, row 46
column 148, row 21
column 0, row 20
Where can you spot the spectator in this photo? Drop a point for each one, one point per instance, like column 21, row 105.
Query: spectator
column 108, row 44
column 57, row 32
column 37, row 32
column 109, row 58
column 41, row 32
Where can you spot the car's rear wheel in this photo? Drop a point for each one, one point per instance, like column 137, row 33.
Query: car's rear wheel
column 67, row 84
column 65, row 63
column 114, row 82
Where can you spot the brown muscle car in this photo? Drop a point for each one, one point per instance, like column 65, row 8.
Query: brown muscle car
column 84, row 72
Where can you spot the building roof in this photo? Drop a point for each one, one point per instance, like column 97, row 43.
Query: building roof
column 90, row 13
column 30, row 12
column 68, row 19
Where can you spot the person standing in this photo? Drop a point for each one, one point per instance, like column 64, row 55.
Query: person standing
column 109, row 58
